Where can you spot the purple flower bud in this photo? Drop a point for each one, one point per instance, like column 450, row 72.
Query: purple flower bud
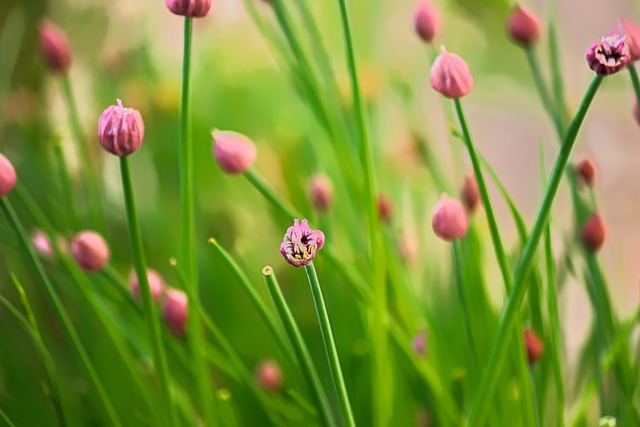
column 301, row 243
column 608, row 55
column 450, row 75
column 234, row 152
column 90, row 251
column 320, row 192
column 470, row 193
column 426, row 21
column 176, row 312
column 593, row 233
column 120, row 130
column 269, row 376
column 586, row 171
column 7, row 176
column 42, row 244
column 156, row 284
column 55, row 47
column 523, row 26
column 632, row 34
column 190, row 8
column 449, row 219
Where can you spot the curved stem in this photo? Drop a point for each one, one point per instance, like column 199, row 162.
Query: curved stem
column 510, row 316
column 330, row 345
column 635, row 81
column 151, row 314
column 547, row 102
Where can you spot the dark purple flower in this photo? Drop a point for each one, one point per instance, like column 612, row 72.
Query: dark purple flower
column 608, row 55
column 301, row 243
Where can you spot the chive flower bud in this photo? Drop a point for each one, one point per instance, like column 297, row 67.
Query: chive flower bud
column 41, row 243
column 470, row 193
column 175, row 310
column 450, row 219
column 269, row 376
column 156, row 284
column 533, row 345
column 55, row 47
column 120, row 130
column 189, row 8
column 90, row 251
column 632, row 35
column 608, row 55
column 450, row 75
column 320, row 192
column 419, row 343
column 7, row 176
column 523, row 27
column 586, row 171
column 301, row 244
column 234, row 152
column 593, row 233
column 426, row 21
column 385, row 208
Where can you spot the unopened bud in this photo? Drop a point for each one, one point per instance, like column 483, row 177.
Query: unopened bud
column 120, row 130
column 586, row 171
column 523, row 26
column 269, row 376
column 533, row 345
column 450, row 219
column 593, row 233
column 450, row 75
column 42, row 244
column 470, row 193
column 632, row 35
column 156, row 284
column 426, row 21
column 55, row 47
column 234, row 152
column 7, row 176
column 176, row 312
column 385, row 208
column 90, row 251
column 320, row 192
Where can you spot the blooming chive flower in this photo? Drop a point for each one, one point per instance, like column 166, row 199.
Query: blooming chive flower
column 523, row 26
column 533, row 345
column 632, row 34
column 156, row 284
column 189, row 8
column 608, row 55
column 234, row 152
column 269, row 376
column 176, row 312
column 55, row 47
column 7, row 176
column 301, row 243
column 593, row 233
column 450, row 219
column 120, row 130
column 450, row 75
column 90, row 251
column 426, row 21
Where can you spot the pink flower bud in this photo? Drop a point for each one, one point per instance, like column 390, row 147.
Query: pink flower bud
column 632, row 35
column 120, row 130
column 523, row 26
column 470, row 193
column 301, row 243
column 449, row 219
column 7, row 176
column 42, row 244
column 426, row 21
column 176, row 312
column 608, row 55
column 90, row 251
column 450, row 75
column 190, row 8
column 533, row 345
column 55, row 47
column 156, row 284
column 586, row 171
column 593, row 233
column 385, row 208
column 408, row 247
column 234, row 152
column 269, row 376
column 419, row 343
column 320, row 192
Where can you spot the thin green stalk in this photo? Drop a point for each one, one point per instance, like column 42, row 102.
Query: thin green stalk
column 557, row 83
column 302, row 352
column 60, row 312
column 6, row 419
column 635, row 81
column 330, row 346
column 510, row 316
column 66, row 185
column 150, row 311
column 547, row 102
column 534, row 395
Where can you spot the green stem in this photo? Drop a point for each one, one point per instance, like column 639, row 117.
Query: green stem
column 329, row 345
column 151, row 314
column 547, row 102
column 635, row 81
column 519, row 286
column 458, row 262
column 62, row 315
column 65, row 184
column 302, row 352
column 556, row 72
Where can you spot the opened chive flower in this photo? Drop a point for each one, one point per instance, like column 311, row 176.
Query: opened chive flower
column 470, row 193
column 523, row 26
column 632, row 35
column 234, row 152
column 450, row 75
column 450, row 219
column 175, row 310
column 586, row 171
column 593, row 233
column 120, row 130
column 301, row 243
column 55, row 47
column 608, row 55
column 156, row 284
column 269, row 376
column 533, row 345
column 90, row 251
column 320, row 192
column 426, row 21
column 7, row 176
column 189, row 8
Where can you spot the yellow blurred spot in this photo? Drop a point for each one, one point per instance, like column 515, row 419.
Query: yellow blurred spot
column 224, row 394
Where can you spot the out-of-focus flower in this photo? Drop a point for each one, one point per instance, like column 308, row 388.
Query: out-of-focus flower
column 419, row 343
column 175, row 310
column 120, row 130
column 523, row 26
column 234, row 152
column 533, row 345
column 470, row 193
column 269, row 376
column 408, row 247
column 385, row 208
column 7, row 176
column 90, row 251
column 321, row 192
column 632, row 34
column 55, row 47
column 450, row 75
column 450, row 219
column 301, row 243
column 156, row 284
column 41, row 243
column 189, row 8
column 608, row 55
column 593, row 233
column 586, row 171
column 426, row 21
